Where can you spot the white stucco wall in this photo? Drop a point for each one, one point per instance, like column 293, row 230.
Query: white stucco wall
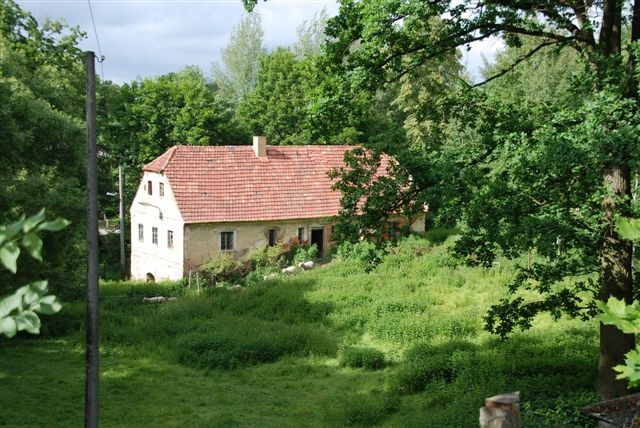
column 158, row 260
column 418, row 224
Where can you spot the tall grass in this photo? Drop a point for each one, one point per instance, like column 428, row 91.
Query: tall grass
column 394, row 340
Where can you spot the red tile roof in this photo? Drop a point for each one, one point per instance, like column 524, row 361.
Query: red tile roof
column 231, row 184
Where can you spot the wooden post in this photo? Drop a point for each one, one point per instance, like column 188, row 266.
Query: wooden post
column 123, row 258
column 501, row 411
column 92, row 364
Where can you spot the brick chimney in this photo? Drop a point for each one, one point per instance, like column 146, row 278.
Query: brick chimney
column 260, row 146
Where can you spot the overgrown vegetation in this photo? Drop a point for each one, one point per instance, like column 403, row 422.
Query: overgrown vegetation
column 400, row 345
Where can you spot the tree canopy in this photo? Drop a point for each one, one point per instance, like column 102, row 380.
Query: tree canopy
column 42, row 137
column 541, row 170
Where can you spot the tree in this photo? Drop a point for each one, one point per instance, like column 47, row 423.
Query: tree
column 311, row 36
column 241, row 59
column 378, row 42
column 277, row 107
column 42, row 139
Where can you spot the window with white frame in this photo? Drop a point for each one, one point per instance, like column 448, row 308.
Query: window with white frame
column 154, row 235
column 226, row 241
column 301, row 235
column 170, row 238
column 150, row 187
column 161, row 189
column 140, row 232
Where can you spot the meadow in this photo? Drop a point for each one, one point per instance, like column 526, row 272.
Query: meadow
column 394, row 340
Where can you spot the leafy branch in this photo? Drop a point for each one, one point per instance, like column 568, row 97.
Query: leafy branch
column 626, row 317
column 20, row 310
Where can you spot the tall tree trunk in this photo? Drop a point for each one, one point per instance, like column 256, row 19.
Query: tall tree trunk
column 616, row 274
column 616, row 280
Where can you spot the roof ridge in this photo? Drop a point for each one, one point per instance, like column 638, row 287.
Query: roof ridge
column 166, row 163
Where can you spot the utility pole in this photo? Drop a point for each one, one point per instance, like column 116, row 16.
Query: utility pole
column 123, row 256
column 92, row 345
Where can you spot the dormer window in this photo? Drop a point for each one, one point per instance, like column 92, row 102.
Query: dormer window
column 149, row 187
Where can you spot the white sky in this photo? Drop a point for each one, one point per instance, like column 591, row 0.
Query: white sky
column 146, row 38
column 141, row 38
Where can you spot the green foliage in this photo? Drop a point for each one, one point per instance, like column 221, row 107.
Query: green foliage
column 20, row 310
column 241, row 59
column 565, row 411
column 365, row 253
column 520, row 164
column 277, row 107
column 216, row 346
column 628, row 228
column 440, row 234
column 69, row 322
column 626, row 317
column 279, row 301
column 274, row 257
column 426, row 364
column 296, row 325
column 373, row 189
column 361, row 409
column 303, row 253
column 361, row 357
column 270, row 256
column 42, row 88
column 224, row 267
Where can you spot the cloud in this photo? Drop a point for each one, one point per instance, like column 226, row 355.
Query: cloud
column 153, row 37
column 143, row 38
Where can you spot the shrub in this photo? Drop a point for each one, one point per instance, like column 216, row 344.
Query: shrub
column 424, row 364
column 362, row 409
column 364, row 252
column 561, row 411
column 230, row 343
column 71, row 319
column 439, row 235
column 303, row 253
column 359, row 357
column 224, row 267
column 270, row 256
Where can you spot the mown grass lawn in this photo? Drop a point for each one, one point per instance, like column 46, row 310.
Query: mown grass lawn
column 401, row 345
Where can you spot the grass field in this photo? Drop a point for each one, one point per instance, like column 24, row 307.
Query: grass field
column 398, row 344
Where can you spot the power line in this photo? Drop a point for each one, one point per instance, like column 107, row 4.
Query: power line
column 95, row 31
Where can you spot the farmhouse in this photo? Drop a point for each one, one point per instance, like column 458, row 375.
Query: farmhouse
column 197, row 201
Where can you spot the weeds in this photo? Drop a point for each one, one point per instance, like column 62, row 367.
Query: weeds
column 387, row 337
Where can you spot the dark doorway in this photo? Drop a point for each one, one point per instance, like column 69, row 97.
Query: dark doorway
column 272, row 237
column 317, row 237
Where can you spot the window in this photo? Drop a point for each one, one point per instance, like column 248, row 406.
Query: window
column 161, row 189
column 154, row 235
column 149, row 187
column 226, row 241
column 272, row 237
column 170, row 238
column 140, row 232
column 301, row 235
